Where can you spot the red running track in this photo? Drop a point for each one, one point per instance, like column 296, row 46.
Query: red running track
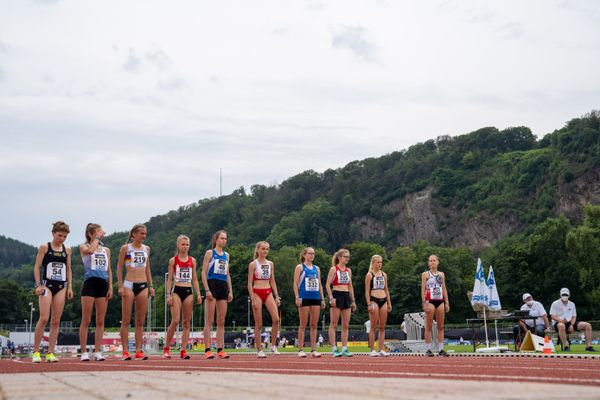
column 550, row 370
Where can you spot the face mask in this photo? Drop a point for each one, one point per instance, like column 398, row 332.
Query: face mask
column 530, row 303
column 564, row 298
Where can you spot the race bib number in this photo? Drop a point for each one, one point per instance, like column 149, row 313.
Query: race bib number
column 56, row 271
column 138, row 259
column 311, row 284
column 99, row 262
column 264, row 272
column 379, row 282
column 343, row 277
column 435, row 293
column 183, row 275
column 221, row 267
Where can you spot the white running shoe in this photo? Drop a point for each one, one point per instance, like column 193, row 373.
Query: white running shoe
column 315, row 353
column 384, row 353
column 301, row 354
column 274, row 350
column 97, row 356
column 261, row 354
column 374, row 353
column 85, row 356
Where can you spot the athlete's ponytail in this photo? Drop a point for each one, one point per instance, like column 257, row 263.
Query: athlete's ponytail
column 261, row 243
column 133, row 230
column 216, row 236
column 373, row 259
column 179, row 239
column 90, row 229
column 335, row 260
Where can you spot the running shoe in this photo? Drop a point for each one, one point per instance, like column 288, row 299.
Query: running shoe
column 184, row 355
column 261, row 354
column 209, row 355
column 274, row 350
column 336, row 353
column 97, row 356
column 429, row 353
column 384, row 353
column 36, row 358
column 346, row 353
column 51, row 358
column 167, row 352
column 301, row 354
column 315, row 353
column 222, row 355
column 125, row 356
column 590, row 348
column 374, row 353
column 443, row 353
column 140, row 356
column 85, row 356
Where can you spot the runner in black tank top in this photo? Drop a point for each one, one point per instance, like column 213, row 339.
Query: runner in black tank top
column 53, row 279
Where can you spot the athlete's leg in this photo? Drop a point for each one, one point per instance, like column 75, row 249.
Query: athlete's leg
column 87, row 307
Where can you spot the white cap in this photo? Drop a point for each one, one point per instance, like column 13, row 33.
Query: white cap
column 565, row 291
column 526, row 295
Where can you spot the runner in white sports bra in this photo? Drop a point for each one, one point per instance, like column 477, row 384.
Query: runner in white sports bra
column 136, row 286
column 435, row 303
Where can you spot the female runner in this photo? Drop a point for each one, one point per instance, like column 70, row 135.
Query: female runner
column 379, row 304
column 217, row 286
column 136, row 286
column 53, row 279
column 181, row 269
column 341, row 300
column 309, row 299
column 262, row 288
column 434, row 295
column 97, row 288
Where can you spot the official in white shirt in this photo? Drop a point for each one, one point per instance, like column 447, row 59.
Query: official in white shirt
column 564, row 315
column 540, row 325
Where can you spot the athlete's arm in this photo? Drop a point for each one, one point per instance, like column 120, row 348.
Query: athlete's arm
column 169, row 279
column 251, row 268
column 321, row 288
column 205, row 262
column 230, row 296
column 445, row 293
column 351, row 290
column 273, row 283
column 36, row 269
column 368, row 279
column 423, row 283
column 120, row 262
column 387, row 292
column 109, row 273
column 296, row 279
column 149, row 274
column 195, row 281
column 69, row 275
column 330, row 276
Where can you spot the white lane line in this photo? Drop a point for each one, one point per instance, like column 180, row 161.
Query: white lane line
column 335, row 372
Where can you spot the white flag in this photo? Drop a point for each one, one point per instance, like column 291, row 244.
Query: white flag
column 493, row 298
column 480, row 289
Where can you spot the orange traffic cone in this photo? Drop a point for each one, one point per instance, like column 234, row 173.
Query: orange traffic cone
column 547, row 348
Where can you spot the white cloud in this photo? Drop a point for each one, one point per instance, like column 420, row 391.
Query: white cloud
column 102, row 119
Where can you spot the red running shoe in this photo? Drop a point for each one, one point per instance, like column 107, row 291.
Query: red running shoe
column 222, row 354
column 209, row 355
column 126, row 356
column 140, row 356
column 184, row 355
column 167, row 352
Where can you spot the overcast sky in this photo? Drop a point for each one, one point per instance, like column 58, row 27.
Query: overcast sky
column 115, row 111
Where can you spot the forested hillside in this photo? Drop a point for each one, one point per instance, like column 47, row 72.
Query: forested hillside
column 515, row 201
